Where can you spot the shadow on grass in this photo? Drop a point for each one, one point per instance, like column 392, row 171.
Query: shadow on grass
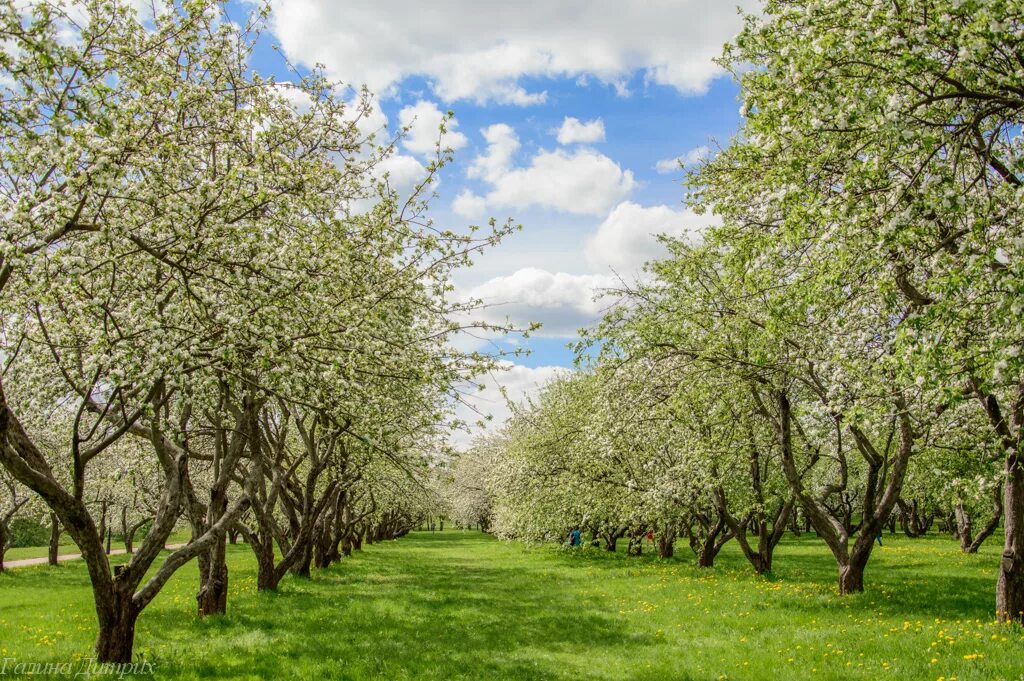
column 428, row 607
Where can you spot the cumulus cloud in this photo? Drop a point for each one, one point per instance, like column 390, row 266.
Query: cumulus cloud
column 502, row 144
column 573, row 130
column 477, row 51
column 581, row 181
column 520, row 382
column 561, row 302
column 469, row 205
column 626, row 239
column 692, row 157
column 423, row 120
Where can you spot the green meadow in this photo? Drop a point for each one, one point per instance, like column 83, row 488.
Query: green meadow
column 463, row 605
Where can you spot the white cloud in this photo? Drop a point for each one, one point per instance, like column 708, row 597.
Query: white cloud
column 561, row 302
column 583, row 181
column 424, row 120
column 626, row 239
column 502, row 144
column 573, row 130
column 480, row 51
column 469, row 205
column 692, row 157
column 520, row 382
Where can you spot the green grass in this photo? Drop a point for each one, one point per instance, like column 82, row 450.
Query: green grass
column 465, row 606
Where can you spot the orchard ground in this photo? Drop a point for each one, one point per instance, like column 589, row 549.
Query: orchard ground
column 462, row 605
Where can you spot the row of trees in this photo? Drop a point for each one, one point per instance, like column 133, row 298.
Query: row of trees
column 215, row 308
column 845, row 343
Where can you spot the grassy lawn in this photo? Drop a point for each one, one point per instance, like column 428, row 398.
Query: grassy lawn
column 465, row 606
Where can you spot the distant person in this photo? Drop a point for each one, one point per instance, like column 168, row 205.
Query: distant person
column 574, row 537
column 878, row 537
column 431, row 525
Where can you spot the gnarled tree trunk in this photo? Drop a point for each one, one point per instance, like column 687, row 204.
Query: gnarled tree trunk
column 709, row 540
column 883, row 483
column 1010, row 431
column 636, row 543
column 53, row 550
column 767, row 537
column 611, row 536
column 1010, row 585
column 116, row 638
column 667, row 541
column 964, row 527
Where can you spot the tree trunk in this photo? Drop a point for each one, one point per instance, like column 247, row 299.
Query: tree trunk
column 3, row 544
column 757, row 523
column 636, row 545
column 910, row 519
column 325, row 545
column 116, row 636
column 880, row 497
column 103, row 524
column 667, row 541
column 611, row 538
column 851, row 574
column 54, row 548
column 129, row 537
column 212, row 598
column 1010, row 586
column 322, row 551
column 706, row 557
column 124, row 527
column 963, row 527
column 972, row 545
column 715, row 535
column 301, row 567
column 266, row 576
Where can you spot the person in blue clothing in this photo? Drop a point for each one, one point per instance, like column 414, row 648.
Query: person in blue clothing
column 574, row 537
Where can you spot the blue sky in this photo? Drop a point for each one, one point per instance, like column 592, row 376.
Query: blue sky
column 568, row 118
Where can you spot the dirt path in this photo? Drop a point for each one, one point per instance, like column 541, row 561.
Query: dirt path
column 27, row 562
